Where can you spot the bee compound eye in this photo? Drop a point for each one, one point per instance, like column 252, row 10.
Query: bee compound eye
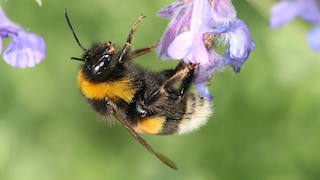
column 97, row 67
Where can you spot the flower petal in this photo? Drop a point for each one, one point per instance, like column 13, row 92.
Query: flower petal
column 240, row 40
column 170, row 10
column 4, row 21
column 199, row 52
column 203, row 90
column 238, row 36
column 235, row 63
column 180, row 23
column 204, row 73
column 25, row 50
column 199, row 24
column 180, row 47
column 309, row 10
column 7, row 28
column 282, row 13
column 223, row 11
column 217, row 63
column 313, row 38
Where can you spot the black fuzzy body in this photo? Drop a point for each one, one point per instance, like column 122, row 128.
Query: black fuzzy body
column 168, row 105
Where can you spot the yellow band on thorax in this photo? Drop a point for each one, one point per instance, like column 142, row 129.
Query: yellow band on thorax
column 114, row 90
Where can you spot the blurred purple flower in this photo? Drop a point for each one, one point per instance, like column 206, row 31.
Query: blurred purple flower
column 25, row 49
column 313, row 38
column 285, row 11
column 186, row 37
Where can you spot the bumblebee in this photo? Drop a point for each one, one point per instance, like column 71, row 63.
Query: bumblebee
column 142, row 101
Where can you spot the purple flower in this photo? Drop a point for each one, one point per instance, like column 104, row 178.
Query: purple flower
column 285, row 11
column 240, row 43
column 180, row 12
column 313, row 38
column 216, row 64
column 194, row 24
column 25, row 49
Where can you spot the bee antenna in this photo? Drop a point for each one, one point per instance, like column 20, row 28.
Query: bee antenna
column 75, row 58
column 73, row 32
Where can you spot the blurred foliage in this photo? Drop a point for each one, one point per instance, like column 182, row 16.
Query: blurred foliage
column 266, row 122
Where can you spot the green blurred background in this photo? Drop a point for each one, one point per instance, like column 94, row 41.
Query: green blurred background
column 266, row 123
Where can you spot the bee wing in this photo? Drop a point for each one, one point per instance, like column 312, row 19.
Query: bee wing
column 121, row 116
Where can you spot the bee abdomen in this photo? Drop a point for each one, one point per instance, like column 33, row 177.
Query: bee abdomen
column 198, row 111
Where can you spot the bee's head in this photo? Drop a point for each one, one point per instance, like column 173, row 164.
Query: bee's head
column 97, row 58
column 101, row 62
